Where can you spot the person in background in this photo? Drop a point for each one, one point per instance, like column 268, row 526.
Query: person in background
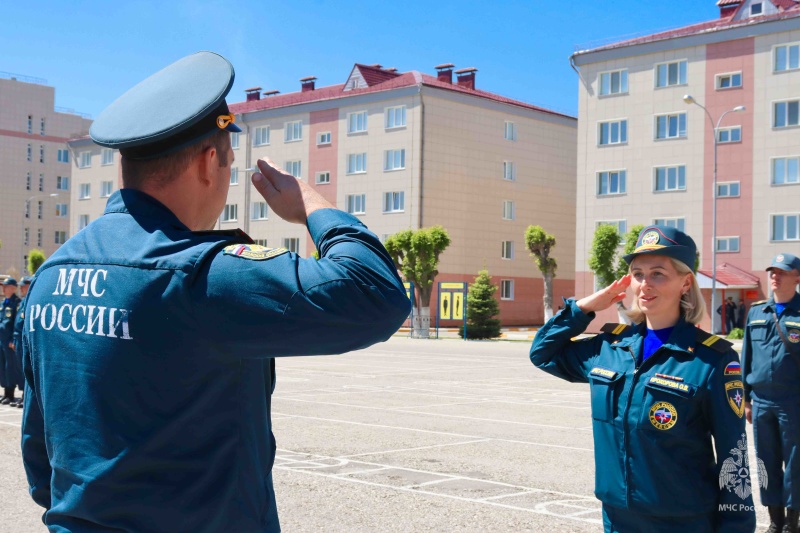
column 741, row 313
column 10, row 371
column 660, row 390
column 24, row 285
column 771, row 371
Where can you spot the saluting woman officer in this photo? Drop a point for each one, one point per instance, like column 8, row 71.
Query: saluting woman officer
column 660, row 390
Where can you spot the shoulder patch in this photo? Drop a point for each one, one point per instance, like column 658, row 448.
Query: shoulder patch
column 760, row 302
column 254, row 252
column 615, row 329
column 712, row 341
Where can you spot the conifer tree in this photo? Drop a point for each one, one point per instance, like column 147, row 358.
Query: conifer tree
column 482, row 307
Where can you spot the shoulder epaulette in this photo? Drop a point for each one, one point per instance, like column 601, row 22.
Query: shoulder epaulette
column 760, row 302
column 615, row 329
column 712, row 341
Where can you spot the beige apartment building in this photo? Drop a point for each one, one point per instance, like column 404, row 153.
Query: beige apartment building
column 35, row 170
column 404, row 151
column 646, row 156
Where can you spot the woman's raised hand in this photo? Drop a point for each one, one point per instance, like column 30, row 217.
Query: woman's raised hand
column 605, row 298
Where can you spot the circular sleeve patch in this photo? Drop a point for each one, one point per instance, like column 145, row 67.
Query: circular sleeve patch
column 663, row 415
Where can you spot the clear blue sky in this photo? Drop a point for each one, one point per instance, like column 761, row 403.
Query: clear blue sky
column 92, row 51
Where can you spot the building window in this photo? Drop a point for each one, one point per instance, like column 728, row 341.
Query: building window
column 357, row 122
column 785, row 170
column 732, row 134
column 507, row 289
column 322, row 178
column 234, row 176
column 41, row 127
column 787, row 57
column 727, row 244
column 106, row 188
column 292, row 244
column 394, row 159
column 395, row 117
column 728, row 189
column 26, row 237
column 677, row 223
column 324, row 138
column 670, row 178
column 61, row 237
column 62, row 183
column 729, row 81
column 394, row 202
column 108, row 156
column 85, row 160
column 615, row 132
column 785, row 227
column 259, row 211
column 41, row 182
column 235, row 140
column 509, row 210
column 294, row 168
column 41, row 153
column 28, row 182
column 356, row 163
column 261, row 242
column 611, row 182
column 39, row 210
column 614, row 82
column 84, row 191
column 756, row 8
column 671, row 126
column 620, row 225
column 510, row 133
column 509, row 170
column 39, row 237
column 356, row 204
column 231, row 213
column 668, row 74
column 83, row 221
column 63, row 156
column 786, row 114
column 507, row 249
column 27, row 210
column 30, row 153
column 293, row 131
column 61, row 210
column 261, row 136
column 30, row 124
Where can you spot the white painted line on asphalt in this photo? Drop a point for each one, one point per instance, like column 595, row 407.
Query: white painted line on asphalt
column 400, row 428
column 417, row 448
column 432, row 482
column 501, row 496
column 436, row 405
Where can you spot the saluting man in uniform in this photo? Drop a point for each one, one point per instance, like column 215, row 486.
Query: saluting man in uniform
column 149, row 339
column 771, row 370
column 10, row 371
column 660, row 390
column 24, row 285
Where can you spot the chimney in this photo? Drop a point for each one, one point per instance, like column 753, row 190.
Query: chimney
column 466, row 77
column 444, row 72
column 728, row 7
column 376, row 65
column 391, row 69
column 307, row 84
column 253, row 93
column 271, row 93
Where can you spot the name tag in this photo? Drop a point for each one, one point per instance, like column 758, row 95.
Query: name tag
column 603, row 373
column 671, row 385
column 757, row 322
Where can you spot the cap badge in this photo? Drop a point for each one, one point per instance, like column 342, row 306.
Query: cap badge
column 650, row 238
column 779, row 258
column 224, row 120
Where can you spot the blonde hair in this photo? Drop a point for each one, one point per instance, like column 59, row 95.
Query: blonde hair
column 693, row 306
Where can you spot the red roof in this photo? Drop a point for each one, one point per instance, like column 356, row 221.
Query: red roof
column 732, row 276
column 788, row 9
column 729, row 2
column 373, row 76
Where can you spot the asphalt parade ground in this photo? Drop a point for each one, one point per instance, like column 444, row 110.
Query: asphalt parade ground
column 411, row 435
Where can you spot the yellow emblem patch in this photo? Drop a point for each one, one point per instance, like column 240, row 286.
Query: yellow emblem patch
column 663, row 415
column 650, row 238
column 734, row 390
column 253, row 252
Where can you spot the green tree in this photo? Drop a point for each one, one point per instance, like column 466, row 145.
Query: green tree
column 482, row 307
column 35, row 259
column 416, row 256
column 540, row 244
column 604, row 260
column 630, row 245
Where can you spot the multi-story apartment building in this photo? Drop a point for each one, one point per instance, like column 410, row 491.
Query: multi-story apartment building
column 35, row 170
column 405, row 151
column 645, row 155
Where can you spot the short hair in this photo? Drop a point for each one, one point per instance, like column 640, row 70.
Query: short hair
column 159, row 171
column 693, row 306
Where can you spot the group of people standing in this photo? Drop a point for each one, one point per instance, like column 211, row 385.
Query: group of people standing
column 11, row 319
column 734, row 314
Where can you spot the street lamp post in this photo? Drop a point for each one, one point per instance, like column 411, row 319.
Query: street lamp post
column 22, row 237
column 689, row 99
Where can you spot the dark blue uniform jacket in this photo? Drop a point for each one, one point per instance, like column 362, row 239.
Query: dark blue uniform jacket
column 653, row 425
column 148, row 361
